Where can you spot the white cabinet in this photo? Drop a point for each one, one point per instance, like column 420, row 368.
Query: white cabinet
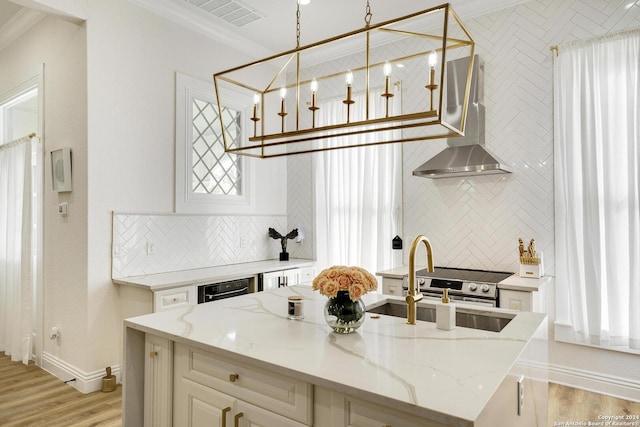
column 336, row 409
column 157, row 381
column 198, row 405
column 280, row 278
column 391, row 286
column 208, row 385
column 174, row 298
column 248, row 415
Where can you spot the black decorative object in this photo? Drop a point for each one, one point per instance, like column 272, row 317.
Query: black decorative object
column 284, row 255
column 396, row 243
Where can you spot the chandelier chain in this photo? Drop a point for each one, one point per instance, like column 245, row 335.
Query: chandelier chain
column 368, row 15
column 298, row 25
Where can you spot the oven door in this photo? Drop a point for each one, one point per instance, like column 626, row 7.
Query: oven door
column 217, row 291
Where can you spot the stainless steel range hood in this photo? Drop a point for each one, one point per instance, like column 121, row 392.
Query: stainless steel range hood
column 465, row 155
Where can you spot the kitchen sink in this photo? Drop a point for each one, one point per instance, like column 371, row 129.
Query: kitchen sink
column 465, row 317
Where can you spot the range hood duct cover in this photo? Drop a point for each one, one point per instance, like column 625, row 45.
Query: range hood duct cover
column 465, row 155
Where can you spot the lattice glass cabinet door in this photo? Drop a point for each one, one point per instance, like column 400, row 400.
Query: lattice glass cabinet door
column 214, row 171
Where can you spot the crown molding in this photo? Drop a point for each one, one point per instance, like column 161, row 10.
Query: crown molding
column 19, row 24
column 210, row 28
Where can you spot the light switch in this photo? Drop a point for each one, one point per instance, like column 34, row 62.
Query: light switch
column 62, row 208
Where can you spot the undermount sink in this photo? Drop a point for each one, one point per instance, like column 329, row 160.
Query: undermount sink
column 465, row 317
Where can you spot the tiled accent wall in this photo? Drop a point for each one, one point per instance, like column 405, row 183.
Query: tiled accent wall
column 475, row 222
column 159, row 243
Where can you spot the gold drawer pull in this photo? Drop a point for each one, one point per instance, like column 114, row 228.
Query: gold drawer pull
column 234, row 377
column 236, row 419
column 225, row 411
column 153, row 354
column 176, row 299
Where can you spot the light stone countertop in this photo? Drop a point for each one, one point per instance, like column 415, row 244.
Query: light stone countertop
column 447, row 376
column 199, row 276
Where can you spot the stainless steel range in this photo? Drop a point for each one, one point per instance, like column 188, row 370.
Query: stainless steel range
column 470, row 286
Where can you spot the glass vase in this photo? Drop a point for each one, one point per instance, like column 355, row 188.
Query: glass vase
column 343, row 315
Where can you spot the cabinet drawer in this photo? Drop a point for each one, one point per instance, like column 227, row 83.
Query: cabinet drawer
column 307, row 275
column 285, row 396
column 392, row 286
column 173, row 298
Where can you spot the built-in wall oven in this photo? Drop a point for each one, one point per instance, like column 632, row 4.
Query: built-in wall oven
column 221, row 290
column 479, row 287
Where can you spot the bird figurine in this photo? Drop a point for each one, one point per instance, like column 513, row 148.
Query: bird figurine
column 284, row 255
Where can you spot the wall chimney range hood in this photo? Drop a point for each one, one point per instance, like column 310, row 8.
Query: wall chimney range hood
column 465, row 155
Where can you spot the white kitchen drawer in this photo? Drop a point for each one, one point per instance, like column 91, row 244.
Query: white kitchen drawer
column 277, row 393
column 391, row 286
column 174, row 298
column 307, row 275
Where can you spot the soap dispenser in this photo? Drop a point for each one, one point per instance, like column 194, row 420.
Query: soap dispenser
column 445, row 313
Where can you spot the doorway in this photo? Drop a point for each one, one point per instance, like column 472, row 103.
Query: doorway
column 21, row 192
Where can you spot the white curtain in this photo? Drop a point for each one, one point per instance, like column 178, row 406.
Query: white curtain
column 597, row 189
column 15, row 249
column 358, row 193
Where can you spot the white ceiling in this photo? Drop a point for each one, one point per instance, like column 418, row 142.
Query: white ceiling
column 321, row 19
column 276, row 31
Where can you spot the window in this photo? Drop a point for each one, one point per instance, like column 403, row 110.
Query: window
column 208, row 180
column 358, row 194
column 597, row 191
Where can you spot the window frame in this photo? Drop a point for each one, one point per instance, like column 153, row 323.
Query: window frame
column 186, row 201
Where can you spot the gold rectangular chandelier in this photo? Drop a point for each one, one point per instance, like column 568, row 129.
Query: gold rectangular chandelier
column 384, row 83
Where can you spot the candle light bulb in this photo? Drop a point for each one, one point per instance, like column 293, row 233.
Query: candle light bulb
column 386, row 69
column 314, row 86
column 256, row 99
column 349, row 78
column 283, row 92
column 433, row 59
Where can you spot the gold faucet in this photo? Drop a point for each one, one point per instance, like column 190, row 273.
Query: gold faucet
column 413, row 293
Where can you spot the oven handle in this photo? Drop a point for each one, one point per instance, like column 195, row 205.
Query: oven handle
column 222, row 295
column 478, row 301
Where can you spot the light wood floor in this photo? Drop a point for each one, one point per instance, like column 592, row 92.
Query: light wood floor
column 569, row 404
column 30, row 396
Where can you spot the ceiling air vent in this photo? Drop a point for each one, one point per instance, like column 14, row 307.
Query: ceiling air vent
column 233, row 11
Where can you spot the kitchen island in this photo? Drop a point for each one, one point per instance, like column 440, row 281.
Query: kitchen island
column 242, row 357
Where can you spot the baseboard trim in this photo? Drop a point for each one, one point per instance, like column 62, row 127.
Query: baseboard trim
column 596, row 382
column 85, row 382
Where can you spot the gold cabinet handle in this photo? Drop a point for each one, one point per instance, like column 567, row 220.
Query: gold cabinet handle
column 225, row 411
column 176, row 299
column 236, row 419
column 234, row 377
column 153, row 354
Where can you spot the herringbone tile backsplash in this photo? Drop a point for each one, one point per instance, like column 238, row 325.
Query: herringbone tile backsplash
column 159, row 243
column 475, row 222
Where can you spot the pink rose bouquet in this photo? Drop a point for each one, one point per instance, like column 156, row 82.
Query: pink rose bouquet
column 356, row 280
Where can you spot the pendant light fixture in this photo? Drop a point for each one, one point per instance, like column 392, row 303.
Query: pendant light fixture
column 287, row 102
